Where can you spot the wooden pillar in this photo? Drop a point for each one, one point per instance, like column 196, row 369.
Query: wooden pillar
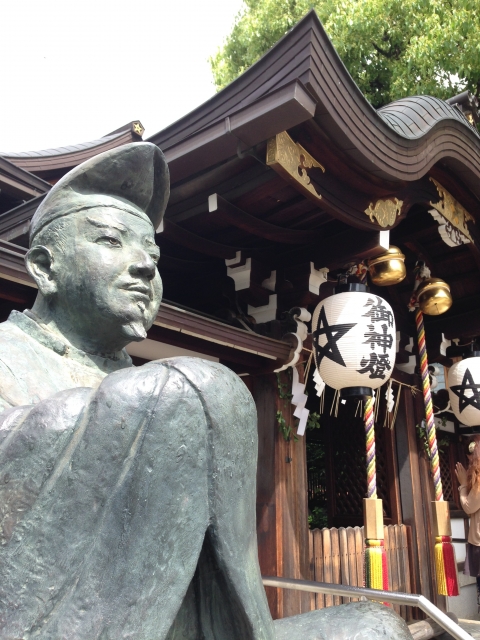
column 415, row 491
column 264, row 390
column 282, row 505
column 428, row 496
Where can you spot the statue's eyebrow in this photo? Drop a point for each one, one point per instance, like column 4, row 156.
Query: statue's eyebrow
column 105, row 225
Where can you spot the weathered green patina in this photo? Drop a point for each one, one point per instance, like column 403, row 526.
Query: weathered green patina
column 127, row 495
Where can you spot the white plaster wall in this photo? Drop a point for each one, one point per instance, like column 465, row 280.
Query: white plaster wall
column 464, row 605
column 458, row 531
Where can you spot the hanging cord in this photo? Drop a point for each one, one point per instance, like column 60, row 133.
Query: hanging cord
column 375, row 557
column 307, row 367
column 371, row 457
column 445, row 562
column 427, row 399
column 414, row 389
column 335, row 403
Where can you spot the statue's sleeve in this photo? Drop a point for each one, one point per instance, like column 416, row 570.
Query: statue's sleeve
column 103, row 506
column 233, row 445
column 33, row 439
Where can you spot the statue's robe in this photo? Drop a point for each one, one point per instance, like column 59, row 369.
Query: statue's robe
column 127, row 500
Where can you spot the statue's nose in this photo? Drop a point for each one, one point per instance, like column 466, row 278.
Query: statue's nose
column 144, row 267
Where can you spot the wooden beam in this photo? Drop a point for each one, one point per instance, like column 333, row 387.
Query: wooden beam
column 16, row 222
column 333, row 252
column 185, row 238
column 465, row 324
column 276, row 111
column 17, row 188
column 251, row 224
column 421, row 253
column 188, row 323
column 12, row 264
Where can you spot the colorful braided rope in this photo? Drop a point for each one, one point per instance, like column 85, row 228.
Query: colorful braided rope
column 375, row 558
column 427, row 399
column 371, row 459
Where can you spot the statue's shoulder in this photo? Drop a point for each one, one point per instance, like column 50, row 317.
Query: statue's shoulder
column 12, row 345
column 8, row 330
column 12, row 355
column 213, row 381
column 205, row 373
column 225, row 398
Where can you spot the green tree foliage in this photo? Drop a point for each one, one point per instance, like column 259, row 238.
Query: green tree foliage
column 392, row 48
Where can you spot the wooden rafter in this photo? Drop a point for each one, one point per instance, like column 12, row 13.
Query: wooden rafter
column 257, row 227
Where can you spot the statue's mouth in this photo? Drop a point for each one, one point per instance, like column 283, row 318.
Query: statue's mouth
column 144, row 291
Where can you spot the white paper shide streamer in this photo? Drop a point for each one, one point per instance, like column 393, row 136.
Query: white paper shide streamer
column 299, row 398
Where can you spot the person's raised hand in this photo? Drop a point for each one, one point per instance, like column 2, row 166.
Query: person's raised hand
column 461, row 473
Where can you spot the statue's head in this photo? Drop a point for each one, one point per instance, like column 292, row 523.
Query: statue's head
column 92, row 247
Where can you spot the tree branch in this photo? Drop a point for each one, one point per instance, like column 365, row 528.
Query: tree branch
column 394, row 52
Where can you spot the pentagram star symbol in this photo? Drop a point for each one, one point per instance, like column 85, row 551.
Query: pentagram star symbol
column 333, row 333
column 468, row 384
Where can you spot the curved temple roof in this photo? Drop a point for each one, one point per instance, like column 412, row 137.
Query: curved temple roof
column 400, row 142
column 64, row 158
column 415, row 116
column 59, row 151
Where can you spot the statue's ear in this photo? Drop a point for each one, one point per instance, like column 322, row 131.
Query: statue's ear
column 39, row 261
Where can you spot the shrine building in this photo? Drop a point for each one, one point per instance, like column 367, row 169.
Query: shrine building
column 284, row 184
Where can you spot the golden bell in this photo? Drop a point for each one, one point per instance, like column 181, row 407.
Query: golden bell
column 388, row 269
column 434, row 297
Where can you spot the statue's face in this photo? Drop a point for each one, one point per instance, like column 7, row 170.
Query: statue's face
column 107, row 276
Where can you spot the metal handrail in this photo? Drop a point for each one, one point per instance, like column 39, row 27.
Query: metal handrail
column 407, row 599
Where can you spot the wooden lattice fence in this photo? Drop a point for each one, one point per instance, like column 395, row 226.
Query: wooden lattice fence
column 336, row 555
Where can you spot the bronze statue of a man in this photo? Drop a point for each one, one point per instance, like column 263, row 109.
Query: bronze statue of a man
column 127, row 495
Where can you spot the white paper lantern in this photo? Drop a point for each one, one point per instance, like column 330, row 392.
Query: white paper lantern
column 464, row 390
column 354, row 340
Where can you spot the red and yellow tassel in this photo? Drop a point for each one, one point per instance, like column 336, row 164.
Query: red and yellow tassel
column 446, row 566
column 376, row 568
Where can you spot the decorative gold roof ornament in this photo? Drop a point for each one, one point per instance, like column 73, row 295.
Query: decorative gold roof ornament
column 138, row 128
column 452, row 210
column 290, row 160
column 385, row 211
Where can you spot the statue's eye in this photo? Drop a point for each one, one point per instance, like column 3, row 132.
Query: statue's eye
column 111, row 240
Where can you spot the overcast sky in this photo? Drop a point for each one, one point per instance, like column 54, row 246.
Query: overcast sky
column 74, row 71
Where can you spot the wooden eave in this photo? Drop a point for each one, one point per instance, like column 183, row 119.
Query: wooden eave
column 55, row 162
column 20, row 183
column 395, row 146
column 16, row 222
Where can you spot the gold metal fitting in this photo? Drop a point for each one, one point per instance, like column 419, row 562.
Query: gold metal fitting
column 388, row 269
column 434, row 297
